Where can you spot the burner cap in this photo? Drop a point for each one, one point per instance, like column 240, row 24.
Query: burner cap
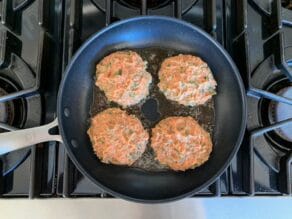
column 6, row 110
column 11, row 112
column 281, row 111
column 272, row 112
column 150, row 3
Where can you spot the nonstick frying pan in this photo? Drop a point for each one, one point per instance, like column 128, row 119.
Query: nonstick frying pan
column 75, row 97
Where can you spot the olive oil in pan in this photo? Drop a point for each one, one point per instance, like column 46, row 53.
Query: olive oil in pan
column 156, row 107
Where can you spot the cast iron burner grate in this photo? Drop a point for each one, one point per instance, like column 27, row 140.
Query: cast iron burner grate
column 27, row 41
column 150, row 3
column 121, row 9
column 257, row 34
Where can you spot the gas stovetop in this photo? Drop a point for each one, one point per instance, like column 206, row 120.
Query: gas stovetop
column 38, row 38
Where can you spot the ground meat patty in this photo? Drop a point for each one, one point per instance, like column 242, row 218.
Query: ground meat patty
column 117, row 137
column 123, row 78
column 186, row 79
column 181, row 143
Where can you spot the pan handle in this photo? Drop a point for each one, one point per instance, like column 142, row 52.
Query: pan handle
column 11, row 141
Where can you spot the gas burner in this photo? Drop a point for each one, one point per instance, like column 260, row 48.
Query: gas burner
column 273, row 112
column 13, row 112
column 287, row 4
column 150, row 3
column 129, row 8
column 19, row 112
column 263, row 113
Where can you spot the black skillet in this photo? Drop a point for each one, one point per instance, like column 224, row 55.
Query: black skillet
column 75, row 97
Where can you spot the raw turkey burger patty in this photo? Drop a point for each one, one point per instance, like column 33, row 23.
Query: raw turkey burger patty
column 187, row 80
column 117, row 137
column 123, row 78
column 181, row 143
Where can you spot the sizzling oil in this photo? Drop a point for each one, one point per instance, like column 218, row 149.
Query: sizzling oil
column 156, row 107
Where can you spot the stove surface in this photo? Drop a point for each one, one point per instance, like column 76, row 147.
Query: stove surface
column 38, row 39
